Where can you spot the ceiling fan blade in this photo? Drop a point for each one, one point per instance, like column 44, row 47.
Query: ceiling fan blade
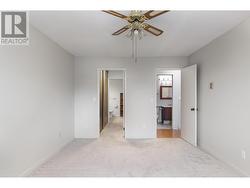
column 125, row 28
column 153, row 30
column 114, row 13
column 154, row 13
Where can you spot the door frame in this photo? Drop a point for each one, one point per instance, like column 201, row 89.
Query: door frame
column 124, row 94
column 162, row 71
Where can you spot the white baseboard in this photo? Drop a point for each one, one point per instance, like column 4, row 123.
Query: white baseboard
column 28, row 171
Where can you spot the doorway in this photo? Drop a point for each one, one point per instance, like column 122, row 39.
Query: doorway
column 168, row 104
column 176, row 104
column 112, row 102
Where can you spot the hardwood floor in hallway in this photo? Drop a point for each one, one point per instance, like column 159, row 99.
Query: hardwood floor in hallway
column 112, row 156
column 168, row 133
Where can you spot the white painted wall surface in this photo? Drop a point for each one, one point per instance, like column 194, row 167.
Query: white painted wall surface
column 36, row 97
column 115, row 88
column 116, row 74
column 139, row 101
column 223, row 116
column 176, row 101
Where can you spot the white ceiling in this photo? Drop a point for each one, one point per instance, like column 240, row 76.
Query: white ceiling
column 89, row 33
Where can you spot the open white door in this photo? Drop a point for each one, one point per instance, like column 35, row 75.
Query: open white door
column 189, row 104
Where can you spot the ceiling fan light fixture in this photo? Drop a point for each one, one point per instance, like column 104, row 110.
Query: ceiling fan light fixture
column 136, row 26
column 136, row 32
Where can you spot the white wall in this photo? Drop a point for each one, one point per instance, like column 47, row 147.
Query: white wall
column 36, row 97
column 116, row 79
column 116, row 74
column 223, row 116
column 115, row 88
column 140, row 97
column 176, row 101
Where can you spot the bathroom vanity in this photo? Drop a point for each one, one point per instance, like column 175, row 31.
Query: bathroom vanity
column 164, row 113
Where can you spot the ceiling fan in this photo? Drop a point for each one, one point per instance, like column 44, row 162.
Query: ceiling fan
column 136, row 21
column 136, row 25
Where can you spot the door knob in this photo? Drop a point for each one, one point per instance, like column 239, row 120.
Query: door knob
column 193, row 109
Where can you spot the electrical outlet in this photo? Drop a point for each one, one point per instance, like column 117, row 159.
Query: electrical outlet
column 243, row 154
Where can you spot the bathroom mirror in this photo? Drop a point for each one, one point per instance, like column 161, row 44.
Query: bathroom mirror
column 166, row 92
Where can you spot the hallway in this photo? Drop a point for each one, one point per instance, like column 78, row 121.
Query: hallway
column 111, row 155
column 113, row 130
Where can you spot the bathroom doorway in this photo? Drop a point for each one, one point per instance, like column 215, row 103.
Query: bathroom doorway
column 112, row 102
column 168, row 103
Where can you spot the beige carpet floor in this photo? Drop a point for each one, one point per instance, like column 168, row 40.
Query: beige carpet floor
column 112, row 156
